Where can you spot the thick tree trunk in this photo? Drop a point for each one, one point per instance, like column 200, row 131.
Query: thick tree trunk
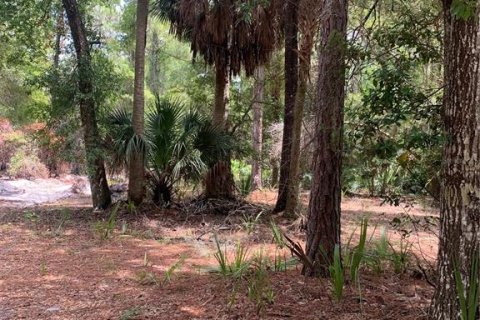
column 219, row 182
column 291, row 83
column 460, row 192
column 95, row 162
column 221, row 97
column 136, row 179
column 323, row 224
column 303, row 76
column 258, row 99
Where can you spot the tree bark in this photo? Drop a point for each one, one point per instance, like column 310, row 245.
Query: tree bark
column 258, row 99
column 221, row 96
column 155, row 71
column 136, row 179
column 323, row 224
column 95, row 162
column 219, row 182
column 59, row 33
column 460, row 192
column 291, row 83
column 306, row 47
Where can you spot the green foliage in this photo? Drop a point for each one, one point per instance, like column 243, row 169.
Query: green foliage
column 337, row 274
column 238, row 266
column 104, row 229
column 179, row 144
column 393, row 133
column 469, row 297
column 277, row 235
column 147, row 278
column 130, row 314
column 464, row 9
column 359, row 251
column 26, row 164
column 167, row 277
column 250, row 222
column 259, row 289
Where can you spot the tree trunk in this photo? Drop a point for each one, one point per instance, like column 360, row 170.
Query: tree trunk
column 219, row 182
column 136, row 179
column 323, row 224
column 221, row 96
column 258, row 99
column 155, row 71
column 59, row 33
column 303, row 76
column 460, row 192
column 291, row 83
column 95, row 162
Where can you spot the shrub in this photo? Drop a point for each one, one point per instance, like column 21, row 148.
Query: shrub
column 26, row 165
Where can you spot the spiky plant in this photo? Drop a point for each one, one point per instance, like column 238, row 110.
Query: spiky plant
column 178, row 144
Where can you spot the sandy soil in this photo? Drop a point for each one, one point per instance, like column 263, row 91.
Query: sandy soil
column 22, row 192
column 54, row 265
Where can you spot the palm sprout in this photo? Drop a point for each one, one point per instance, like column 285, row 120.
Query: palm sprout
column 178, row 144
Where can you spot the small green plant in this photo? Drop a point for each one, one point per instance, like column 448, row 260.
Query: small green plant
column 468, row 298
column 245, row 184
column 240, row 262
column 147, row 278
column 167, row 277
column 277, row 235
column 376, row 256
column 43, row 268
column 337, row 274
column 250, row 222
column 31, row 216
column 358, row 251
column 400, row 258
column 221, row 256
column 66, row 215
column 130, row 314
column 105, row 228
column 124, row 229
column 259, row 286
column 131, row 207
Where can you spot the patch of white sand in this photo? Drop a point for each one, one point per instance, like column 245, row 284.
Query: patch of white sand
column 32, row 192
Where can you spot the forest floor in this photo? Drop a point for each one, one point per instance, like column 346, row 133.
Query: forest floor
column 61, row 261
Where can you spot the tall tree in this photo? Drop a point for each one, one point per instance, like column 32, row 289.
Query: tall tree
column 291, row 84
column 136, row 179
column 309, row 17
column 258, row 100
column 460, row 192
column 230, row 35
column 59, row 33
column 96, row 169
column 323, row 224
column 155, row 72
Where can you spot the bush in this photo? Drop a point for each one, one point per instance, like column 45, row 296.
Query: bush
column 26, row 165
column 9, row 142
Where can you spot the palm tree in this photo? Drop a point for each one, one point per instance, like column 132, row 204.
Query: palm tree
column 230, row 35
column 136, row 188
column 179, row 144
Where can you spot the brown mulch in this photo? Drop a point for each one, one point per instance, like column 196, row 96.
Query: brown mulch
column 54, row 265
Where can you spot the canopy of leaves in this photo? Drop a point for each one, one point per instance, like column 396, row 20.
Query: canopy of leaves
column 228, row 33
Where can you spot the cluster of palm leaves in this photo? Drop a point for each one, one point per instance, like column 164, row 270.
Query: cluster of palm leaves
column 179, row 144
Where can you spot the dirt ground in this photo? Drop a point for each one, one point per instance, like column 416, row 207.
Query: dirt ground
column 56, row 262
